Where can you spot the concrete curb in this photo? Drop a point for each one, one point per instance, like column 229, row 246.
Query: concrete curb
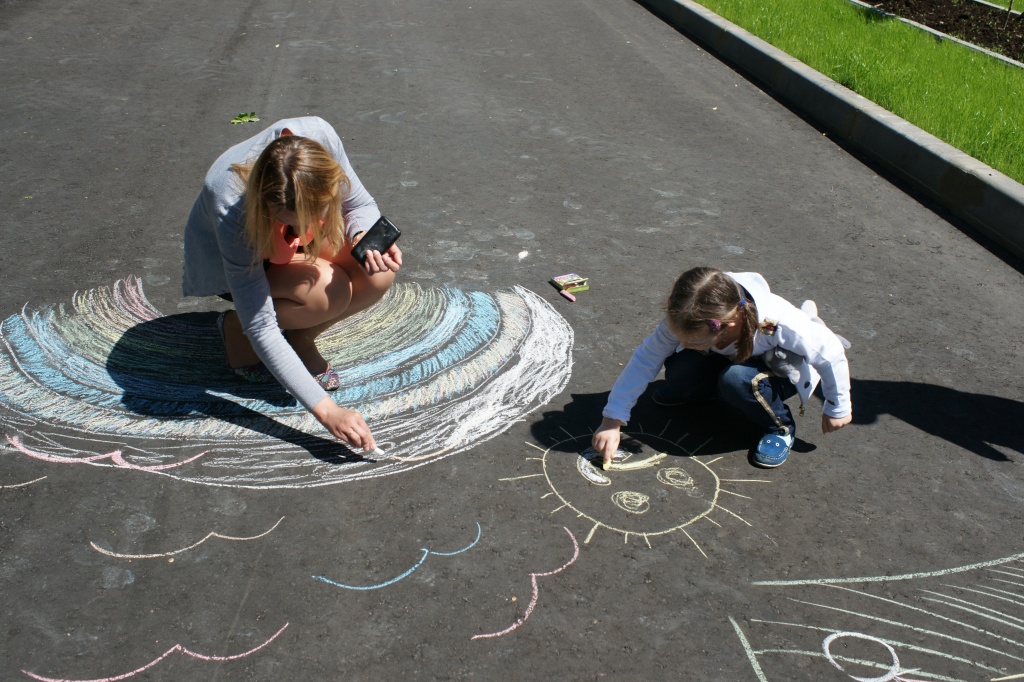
column 978, row 194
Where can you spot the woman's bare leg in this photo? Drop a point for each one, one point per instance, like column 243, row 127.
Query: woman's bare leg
column 362, row 291
column 309, row 298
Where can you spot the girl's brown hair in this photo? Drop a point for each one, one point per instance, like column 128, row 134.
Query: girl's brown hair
column 295, row 174
column 705, row 300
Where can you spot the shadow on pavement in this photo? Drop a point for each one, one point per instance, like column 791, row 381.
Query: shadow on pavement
column 700, row 429
column 971, row 421
column 172, row 368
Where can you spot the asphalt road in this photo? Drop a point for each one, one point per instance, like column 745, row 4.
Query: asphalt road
column 511, row 141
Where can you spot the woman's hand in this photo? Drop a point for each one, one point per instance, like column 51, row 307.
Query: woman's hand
column 376, row 261
column 830, row 424
column 344, row 424
column 606, row 438
column 383, row 262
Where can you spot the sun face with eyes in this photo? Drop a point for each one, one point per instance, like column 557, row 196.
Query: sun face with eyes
column 646, row 492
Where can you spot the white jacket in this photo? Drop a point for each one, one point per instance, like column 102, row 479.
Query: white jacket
column 780, row 324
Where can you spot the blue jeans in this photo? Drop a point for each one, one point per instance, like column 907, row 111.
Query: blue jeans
column 750, row 389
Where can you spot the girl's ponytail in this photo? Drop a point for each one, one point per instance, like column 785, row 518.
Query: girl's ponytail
column 748, row 323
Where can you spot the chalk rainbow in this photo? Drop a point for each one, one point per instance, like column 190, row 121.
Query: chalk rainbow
column 435, row 371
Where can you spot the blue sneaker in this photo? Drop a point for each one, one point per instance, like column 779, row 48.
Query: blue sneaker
column 773, row 449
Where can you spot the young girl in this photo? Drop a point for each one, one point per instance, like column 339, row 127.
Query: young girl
column 272, row 231
column 712, row 342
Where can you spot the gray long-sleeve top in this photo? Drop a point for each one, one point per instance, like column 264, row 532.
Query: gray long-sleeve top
column 218, row 260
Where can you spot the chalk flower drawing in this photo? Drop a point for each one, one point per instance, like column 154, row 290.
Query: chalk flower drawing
column 642, row 495
column 173, row 649
column 110, row 382
column 962, row 623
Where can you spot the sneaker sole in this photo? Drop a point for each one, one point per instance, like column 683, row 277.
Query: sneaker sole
column 767, row 465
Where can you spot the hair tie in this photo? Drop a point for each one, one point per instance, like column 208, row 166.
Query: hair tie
column 715, row 325
column 742, row 302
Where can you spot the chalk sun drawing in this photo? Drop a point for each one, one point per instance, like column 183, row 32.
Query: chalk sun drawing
column 185, row 549
column 173, row 649
column 644, row 494
column 426, row 553
column 434, row 371
column 952, row 624
column 536, row 591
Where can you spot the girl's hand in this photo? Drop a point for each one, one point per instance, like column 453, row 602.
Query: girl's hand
column 344, row 424
column 830, row 424
column 606, row 438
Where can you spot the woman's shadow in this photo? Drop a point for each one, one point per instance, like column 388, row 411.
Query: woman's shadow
column 972, row 421
column 172, row 368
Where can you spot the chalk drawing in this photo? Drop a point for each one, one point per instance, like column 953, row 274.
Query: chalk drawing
column 116, row 459
column 173, row 649
column 426, row 553
column 536, row 590
column 954, row 624
column 894, row 578
column 185, row 549
column 21, row 485
column 893, row 674
column 434, row 371
column 642, row 494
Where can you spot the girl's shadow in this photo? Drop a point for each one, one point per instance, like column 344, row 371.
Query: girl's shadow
column 172, row 368
column 972, row 421
column 702, row 428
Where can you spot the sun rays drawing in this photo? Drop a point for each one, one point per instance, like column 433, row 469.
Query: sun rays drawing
column 953, row 625
column 646, row 493
column 108, row 381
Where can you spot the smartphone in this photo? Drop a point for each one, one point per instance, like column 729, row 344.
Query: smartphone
column 380, row 237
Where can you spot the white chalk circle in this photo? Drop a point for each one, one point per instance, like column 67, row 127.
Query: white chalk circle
column 894, row 671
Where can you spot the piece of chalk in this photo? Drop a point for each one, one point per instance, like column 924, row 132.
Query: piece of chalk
column 566, row 294
column 606, row 464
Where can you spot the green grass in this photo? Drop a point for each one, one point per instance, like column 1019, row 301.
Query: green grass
column 967, row 99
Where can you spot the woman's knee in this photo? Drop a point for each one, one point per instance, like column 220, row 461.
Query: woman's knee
column 375, row 285
column 316, row 291
column 338, row 290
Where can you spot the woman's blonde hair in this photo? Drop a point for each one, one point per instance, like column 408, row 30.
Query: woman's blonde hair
column 705, row 300
column 295, row 174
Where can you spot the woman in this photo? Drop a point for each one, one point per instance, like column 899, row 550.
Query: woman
column 272, row 230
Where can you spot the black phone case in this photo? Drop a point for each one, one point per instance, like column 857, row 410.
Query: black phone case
column 380, row 237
